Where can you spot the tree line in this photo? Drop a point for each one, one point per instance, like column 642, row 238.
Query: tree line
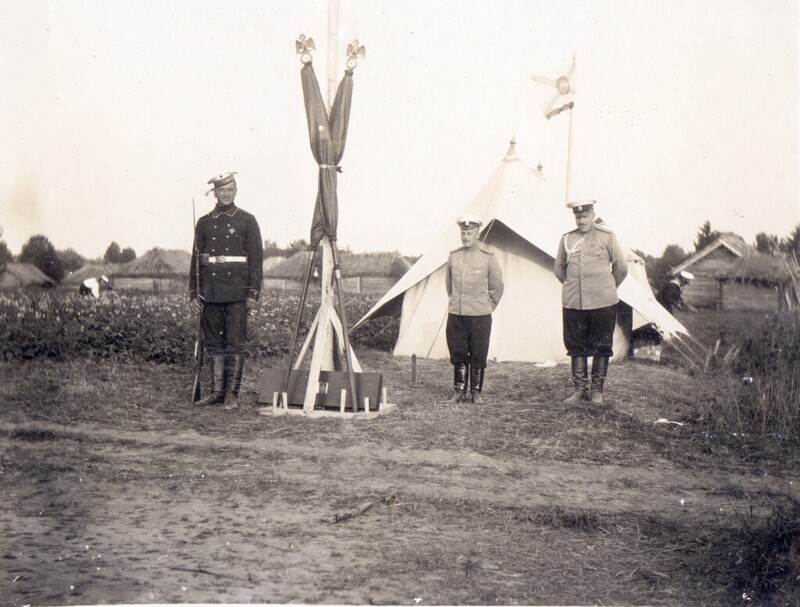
column 57, row 264
column 39, row 251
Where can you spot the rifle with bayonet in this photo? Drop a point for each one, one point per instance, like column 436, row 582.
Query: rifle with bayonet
column 199, row 346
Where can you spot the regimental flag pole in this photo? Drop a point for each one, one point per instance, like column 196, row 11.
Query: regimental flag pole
column 563, row 100
column 327, row 136
column 333, row 43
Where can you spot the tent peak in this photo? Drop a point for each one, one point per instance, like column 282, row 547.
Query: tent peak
column 511, row 154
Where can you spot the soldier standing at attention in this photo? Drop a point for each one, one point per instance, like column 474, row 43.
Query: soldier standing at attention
column 590, row 264
column 228, row 242
column 474, row 283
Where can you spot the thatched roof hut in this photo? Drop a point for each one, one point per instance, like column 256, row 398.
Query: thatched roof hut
column 15, row 275
column 731, row 274
column 91, row 270
column 158, row 270
column 361, row 272
column 757, row 268
column 157, row 263
column 271, row 262
column 390, row 264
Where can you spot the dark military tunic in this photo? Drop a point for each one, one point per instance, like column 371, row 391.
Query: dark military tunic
column 227, row 232
column 231, row 267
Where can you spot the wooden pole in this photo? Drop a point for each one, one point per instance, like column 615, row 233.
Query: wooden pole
column 569, row 160
column 333, row 41
column 322, row 356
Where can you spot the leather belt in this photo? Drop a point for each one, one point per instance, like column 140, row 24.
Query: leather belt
column 227, row 259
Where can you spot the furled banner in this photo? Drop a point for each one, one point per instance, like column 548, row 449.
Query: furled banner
column 327, row 137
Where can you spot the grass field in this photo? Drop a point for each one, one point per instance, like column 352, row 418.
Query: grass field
column 117, row 491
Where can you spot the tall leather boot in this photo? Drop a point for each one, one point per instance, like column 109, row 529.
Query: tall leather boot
column 460, row 378
column 599, row 372
column 476, row 385
column 234, row 370
column 217, row 381
column 580, row 379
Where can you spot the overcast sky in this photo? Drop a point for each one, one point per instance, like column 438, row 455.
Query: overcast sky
column 116, row 113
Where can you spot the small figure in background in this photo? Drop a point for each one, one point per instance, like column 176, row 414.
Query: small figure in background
column 671, row 294
column 94, row 286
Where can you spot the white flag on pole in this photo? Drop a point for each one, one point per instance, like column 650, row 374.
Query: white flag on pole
column 564, row 97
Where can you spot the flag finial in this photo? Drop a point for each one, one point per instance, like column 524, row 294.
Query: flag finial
column 354, row 52
column 303, row 47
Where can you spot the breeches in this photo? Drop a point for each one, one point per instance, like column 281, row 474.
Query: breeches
column 468, row 339
column 589, row 332
column 225, row 327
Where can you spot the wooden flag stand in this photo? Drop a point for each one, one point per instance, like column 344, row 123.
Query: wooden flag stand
column 321, row 390
column 324, row 389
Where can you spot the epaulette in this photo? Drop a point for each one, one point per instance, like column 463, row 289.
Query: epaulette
column 604, row 228
column 456, row 250
column 485, row 249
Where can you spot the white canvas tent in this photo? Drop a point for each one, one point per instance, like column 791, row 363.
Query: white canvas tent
column 522, row 225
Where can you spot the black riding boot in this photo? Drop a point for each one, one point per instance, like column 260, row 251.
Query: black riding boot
column 476, row 384
column 234, row 370
column 460, row 378
column 580, row 379
column 217, row 381
column 599, row 372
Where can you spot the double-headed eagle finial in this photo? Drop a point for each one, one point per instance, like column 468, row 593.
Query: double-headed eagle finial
column 354, row 52
column 304, row 45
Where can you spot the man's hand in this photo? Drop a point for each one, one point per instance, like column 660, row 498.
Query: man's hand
column 198, row 305
column 252, row 304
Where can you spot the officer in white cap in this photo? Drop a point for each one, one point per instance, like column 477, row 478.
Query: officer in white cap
column 230, row 250
column 474, row 284
column 671, row 294
column 590, row 264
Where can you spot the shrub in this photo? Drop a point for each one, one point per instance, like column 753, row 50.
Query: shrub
column 764, row 395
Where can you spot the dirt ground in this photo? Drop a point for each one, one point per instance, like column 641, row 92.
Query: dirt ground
column 116, row 491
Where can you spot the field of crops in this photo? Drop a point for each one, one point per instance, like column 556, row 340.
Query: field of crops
column 61, row 325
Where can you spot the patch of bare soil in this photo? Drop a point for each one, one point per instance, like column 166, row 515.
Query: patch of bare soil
column 115, row 490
